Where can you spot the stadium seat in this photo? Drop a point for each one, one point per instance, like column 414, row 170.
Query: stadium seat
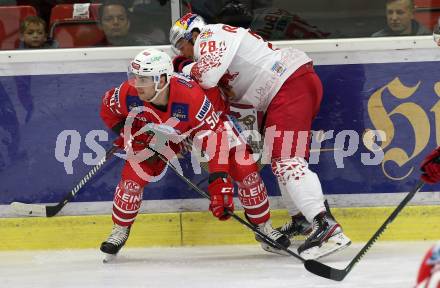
column 65, row 12
column 10, row 18
column 427, row 12
column 427, row 3
column 72, row 32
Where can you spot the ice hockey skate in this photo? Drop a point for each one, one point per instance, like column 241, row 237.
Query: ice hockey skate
column 326, row 238
column 267, row 229
column 114, row 242
column 297, row 229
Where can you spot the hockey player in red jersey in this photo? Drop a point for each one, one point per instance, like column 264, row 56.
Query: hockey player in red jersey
column 431, row 167
column 156, row 101
column 429, row 271
column 282, row 84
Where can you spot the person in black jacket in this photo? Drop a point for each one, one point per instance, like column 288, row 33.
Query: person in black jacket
column 400, row 20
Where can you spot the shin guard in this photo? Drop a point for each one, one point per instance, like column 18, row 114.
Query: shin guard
column 127, row 202
column 301, row 185
column 253, row 197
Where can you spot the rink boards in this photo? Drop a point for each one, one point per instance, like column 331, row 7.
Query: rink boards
column 51, row 134
column 200, row 228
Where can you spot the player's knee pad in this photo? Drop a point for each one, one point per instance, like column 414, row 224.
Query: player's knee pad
column 253, row 197
column 127, row 202
column 290, row 169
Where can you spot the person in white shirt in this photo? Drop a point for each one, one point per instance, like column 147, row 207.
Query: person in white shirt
column 281, row 83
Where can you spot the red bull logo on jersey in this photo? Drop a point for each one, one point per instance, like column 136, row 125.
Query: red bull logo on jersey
column 205, row 34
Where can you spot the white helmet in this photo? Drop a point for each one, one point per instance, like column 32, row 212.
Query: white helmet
column 151, row 64
column 183, row 27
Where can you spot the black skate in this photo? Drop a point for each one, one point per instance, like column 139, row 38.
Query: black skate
column 326, row 238
column 298, row 225
column 329, row 212
column 115, row 241
column 275, row 235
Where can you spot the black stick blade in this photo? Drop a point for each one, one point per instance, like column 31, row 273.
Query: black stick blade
column 324, row 271
column 53, row 210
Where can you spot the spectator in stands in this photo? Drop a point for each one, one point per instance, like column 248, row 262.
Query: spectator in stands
column 114, row 21
column 261, row 16
column 33, row 34
column 231, row 12
column 400, row 20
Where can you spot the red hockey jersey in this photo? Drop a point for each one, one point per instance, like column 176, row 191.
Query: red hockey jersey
column 429, row 271
column 194, row 111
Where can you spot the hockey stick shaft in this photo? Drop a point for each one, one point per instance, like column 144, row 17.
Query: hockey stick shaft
column 50, row 211
column 337, row 274
column 232, row 214
column 84, row 180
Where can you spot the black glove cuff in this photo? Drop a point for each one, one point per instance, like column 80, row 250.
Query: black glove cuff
column 214, row 176
column 118, row 127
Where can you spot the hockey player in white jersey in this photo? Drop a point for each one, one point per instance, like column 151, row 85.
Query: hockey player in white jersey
column 282, row 84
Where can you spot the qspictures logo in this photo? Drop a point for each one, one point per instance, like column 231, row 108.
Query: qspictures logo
column 202, row 147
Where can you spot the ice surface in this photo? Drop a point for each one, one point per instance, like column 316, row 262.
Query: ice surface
column 387, row 264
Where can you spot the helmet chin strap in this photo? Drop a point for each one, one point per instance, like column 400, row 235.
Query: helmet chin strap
column 158, row 91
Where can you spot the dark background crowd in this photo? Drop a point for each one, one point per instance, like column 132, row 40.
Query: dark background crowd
column 32, row 24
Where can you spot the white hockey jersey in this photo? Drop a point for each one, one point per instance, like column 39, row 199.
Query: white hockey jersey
column 242, row 61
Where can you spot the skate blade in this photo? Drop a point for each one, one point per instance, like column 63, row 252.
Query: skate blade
column 295, row 243
column 333, row 244
column 268, row 248
column 108, row 258
column 297, row 240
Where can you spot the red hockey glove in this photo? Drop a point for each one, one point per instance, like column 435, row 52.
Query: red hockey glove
column 431, row 167
column 179, row 62
column 139, row 143
column 119, row 142
column 222, row 192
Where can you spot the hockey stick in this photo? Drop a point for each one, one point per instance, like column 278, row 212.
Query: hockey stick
column 39, row 210
column 232, row 214
column 338, row 274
